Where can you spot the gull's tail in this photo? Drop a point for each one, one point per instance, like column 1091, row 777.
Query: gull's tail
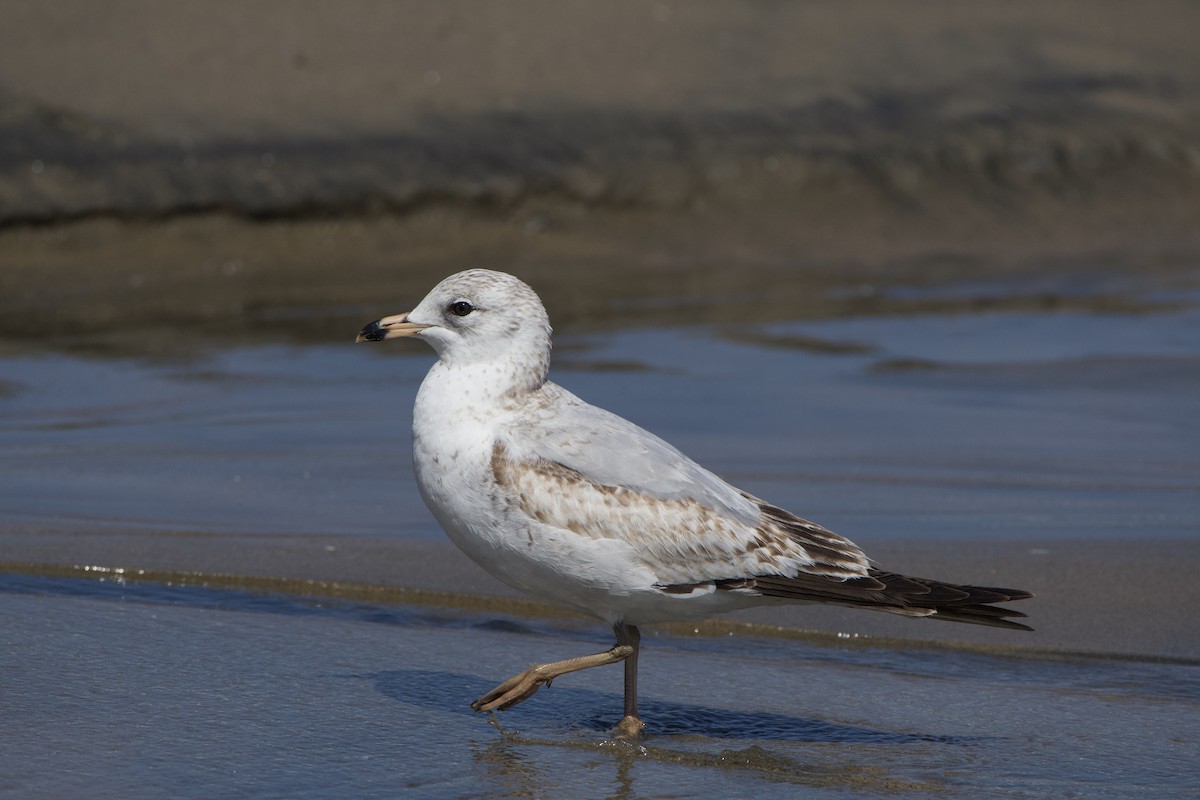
column 900, row 594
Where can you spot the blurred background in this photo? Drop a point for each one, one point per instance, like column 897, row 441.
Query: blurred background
column 217, row 165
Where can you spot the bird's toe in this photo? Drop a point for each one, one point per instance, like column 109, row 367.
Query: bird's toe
column 515, row 690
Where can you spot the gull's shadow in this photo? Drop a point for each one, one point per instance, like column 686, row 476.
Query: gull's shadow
column 589, row 709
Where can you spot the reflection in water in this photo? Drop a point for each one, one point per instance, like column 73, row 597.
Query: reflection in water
column 511, row 764
column 575, row 710
column 681, row 734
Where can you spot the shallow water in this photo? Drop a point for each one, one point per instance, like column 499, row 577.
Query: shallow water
column 1053, row 425
column 147, row 690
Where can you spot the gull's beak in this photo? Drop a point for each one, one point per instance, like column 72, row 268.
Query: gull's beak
column 391, row 327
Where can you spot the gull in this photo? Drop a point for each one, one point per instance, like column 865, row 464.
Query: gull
column 578, row 506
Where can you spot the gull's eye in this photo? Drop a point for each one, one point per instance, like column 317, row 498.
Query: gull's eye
column 461, row 308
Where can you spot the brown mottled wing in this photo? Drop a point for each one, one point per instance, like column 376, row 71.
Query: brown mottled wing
column 690, row 543
column 682, row 540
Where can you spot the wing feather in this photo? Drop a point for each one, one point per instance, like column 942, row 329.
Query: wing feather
column 609, row 450
column 581, row 469
column 680, row 540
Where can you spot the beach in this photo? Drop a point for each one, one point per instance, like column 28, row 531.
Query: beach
column 925, row 275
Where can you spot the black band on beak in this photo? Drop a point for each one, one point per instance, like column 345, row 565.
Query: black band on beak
column 371, row 332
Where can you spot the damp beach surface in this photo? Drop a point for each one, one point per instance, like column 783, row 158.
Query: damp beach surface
column 144, row 690
column 218, row 579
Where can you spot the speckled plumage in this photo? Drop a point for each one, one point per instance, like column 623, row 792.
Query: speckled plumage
column 578, row 506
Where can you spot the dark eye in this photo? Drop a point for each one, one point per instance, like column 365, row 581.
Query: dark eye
column 461, row 308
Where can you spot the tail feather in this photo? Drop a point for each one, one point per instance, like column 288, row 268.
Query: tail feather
column 901, row 594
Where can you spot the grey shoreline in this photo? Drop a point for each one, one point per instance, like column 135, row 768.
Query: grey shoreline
column 282, row 158
column 957, row 110
column 1102, row 598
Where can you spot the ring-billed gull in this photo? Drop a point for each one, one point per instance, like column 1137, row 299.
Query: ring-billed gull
column 578, row 506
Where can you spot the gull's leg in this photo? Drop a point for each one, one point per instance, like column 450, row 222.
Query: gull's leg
column 523, row 686
column 630, row 726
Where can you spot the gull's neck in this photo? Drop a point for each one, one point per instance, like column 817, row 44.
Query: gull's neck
column 454, row 388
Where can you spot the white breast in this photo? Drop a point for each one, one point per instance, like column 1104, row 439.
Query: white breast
column 453, row 431
column 455, row 428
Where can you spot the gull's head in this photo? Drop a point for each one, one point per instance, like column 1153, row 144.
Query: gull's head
column 475, row 316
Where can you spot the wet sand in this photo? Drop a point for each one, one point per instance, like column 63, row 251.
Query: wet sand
column 1093, row 597
column 190, row 692
column 183, row 285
